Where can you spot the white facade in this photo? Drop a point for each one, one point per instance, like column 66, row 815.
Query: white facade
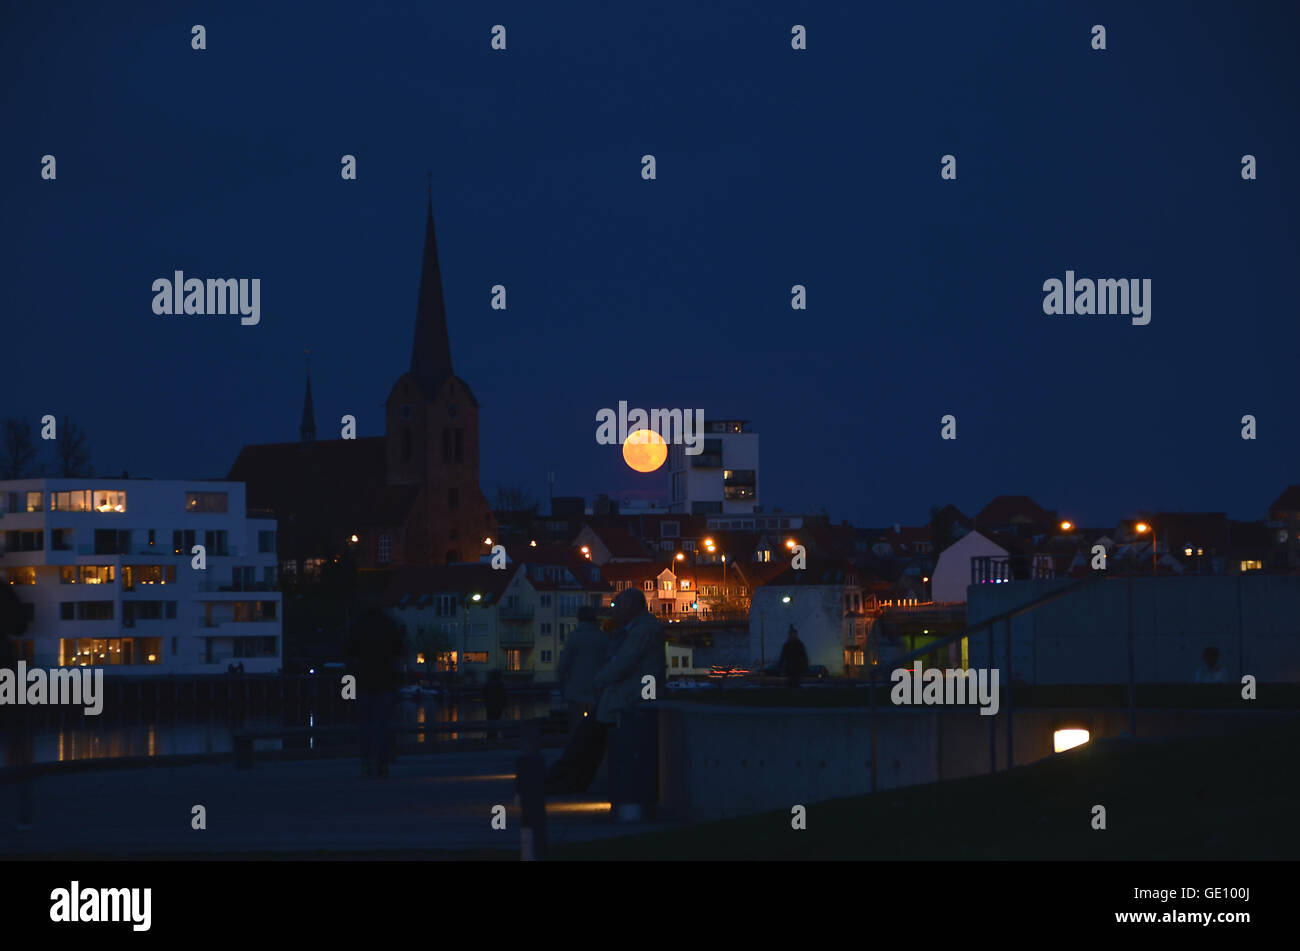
column 951, row 575
column 106, row 570
column 723, row 479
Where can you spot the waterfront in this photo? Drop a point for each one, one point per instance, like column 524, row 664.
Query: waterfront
column 84, row 738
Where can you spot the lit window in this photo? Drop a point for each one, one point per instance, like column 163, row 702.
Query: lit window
column 205, row 501
column 1252, row 566
column 70, row 501
column 109, row 501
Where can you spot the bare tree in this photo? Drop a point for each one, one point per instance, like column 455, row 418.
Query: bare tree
column 71, row 451
column 18, row 461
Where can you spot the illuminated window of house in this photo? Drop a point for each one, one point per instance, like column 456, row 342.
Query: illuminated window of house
column 109, row 500
column 312, row 566
column 205, row 501
column 25, row 575
column 1252, row 566
column 419, row 658
column 477, row 657
column 78, row 501
column 109, row 652
column 34, row 500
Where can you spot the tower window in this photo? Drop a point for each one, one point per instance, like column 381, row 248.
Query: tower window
column 446, row 444
column 406, row 411
column 406, row 445
column 453, row 498
column 460, row 444
column 451, row 410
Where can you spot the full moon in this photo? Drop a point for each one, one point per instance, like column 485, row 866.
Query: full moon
column 645, row 450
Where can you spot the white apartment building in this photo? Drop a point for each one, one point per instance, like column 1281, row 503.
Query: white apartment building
column 104, row 569
column 723, row 479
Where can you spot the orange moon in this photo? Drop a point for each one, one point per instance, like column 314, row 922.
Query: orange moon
column 645, row 450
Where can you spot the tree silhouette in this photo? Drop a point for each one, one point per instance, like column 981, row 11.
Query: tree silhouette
column 18, row 461
column 71, row 451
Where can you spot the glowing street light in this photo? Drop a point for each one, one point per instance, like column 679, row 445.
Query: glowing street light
column 1066, row 526
column 681, row 557
column 1142, row 528
column 355, row 539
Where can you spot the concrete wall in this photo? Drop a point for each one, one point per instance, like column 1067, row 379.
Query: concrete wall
column 717, row 762
column 1254, row 620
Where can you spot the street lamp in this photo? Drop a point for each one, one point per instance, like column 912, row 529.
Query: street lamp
column 1142, row 528
column 1066, row 526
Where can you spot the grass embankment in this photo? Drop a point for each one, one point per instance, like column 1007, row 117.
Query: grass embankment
column 1213, row 798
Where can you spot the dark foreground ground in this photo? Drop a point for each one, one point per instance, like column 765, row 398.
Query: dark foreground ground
column 1179, row 799
column 1206, row 799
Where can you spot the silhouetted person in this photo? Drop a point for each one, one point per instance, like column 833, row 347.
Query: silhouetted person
column 584, row 652
column 375, row 651
column 637, row 655
column 494, row 695
column 794, row 658
column 1210, row 672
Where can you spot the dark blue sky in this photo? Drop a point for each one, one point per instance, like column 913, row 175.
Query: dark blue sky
column 775, row 167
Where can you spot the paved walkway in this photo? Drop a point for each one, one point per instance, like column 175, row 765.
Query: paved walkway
column 429, row 804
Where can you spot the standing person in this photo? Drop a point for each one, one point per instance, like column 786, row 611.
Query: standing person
column 1210, row 672
column 794, row 658
column 584, row 652
column 622, row 682
column 376, row 650
column 494, row 695
column 582, row 756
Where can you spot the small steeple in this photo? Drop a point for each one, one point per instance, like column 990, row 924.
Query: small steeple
column 308, row 427
column 431, row 350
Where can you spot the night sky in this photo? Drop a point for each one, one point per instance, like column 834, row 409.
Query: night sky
column 775, row 167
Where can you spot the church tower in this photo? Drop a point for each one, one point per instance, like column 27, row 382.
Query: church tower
column 432, row 435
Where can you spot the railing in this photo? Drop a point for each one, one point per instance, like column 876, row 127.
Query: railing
column 233, row 586
column 516, row 612
column 523, row 638
column 995, row 569
column 988, row 624
column 503, row 729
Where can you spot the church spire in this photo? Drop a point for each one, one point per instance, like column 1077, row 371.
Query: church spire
column 308, row 428
column 431, row 351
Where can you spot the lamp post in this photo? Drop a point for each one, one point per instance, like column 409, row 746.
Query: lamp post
column 1142, row 528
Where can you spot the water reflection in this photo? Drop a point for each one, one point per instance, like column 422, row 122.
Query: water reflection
column 168, row 736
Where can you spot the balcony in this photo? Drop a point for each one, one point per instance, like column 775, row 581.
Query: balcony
column 232, row 586
column 516, row 612
column 514, row 638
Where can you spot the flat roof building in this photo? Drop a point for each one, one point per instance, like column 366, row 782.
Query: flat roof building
column 108, row 575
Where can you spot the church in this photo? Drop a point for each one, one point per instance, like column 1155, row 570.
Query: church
column 409, row 497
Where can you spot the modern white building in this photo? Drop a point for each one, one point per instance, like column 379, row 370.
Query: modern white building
column 723, row 479
column 952, row 573
column 105, row 571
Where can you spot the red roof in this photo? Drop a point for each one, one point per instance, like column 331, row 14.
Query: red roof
column 1288, row 501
